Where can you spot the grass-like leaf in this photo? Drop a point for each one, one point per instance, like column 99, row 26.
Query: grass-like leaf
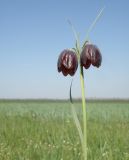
column 75, row 117
column 93, row 25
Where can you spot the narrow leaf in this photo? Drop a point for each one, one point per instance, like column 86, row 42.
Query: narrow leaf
column 93, row 24
column 75, row 117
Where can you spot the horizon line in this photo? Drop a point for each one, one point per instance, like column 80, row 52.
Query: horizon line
column 63, row 99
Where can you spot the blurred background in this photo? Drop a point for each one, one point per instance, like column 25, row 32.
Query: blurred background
column 34, row 32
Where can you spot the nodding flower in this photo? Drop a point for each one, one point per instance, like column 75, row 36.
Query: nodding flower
column 90, row 55
column 67, row 62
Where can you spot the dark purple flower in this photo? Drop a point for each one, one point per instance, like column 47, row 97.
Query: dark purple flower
column 90, row 55
column 67, row 62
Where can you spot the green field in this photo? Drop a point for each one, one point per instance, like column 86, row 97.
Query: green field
column 45, row 130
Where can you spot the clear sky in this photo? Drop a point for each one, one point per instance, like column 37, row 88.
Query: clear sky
column 34, row 32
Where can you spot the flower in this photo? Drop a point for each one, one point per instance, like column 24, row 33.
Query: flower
column 67, row 62
column 90, row 55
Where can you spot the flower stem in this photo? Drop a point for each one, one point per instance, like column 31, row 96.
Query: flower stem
column 84, row 113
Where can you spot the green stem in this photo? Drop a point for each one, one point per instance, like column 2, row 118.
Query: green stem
column 84, row 113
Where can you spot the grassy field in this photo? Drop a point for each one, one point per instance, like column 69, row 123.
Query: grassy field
column 42, row 130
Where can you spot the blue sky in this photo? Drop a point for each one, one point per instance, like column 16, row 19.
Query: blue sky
column 34, row 32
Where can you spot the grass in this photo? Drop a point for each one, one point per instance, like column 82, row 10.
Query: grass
column 45, row 130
